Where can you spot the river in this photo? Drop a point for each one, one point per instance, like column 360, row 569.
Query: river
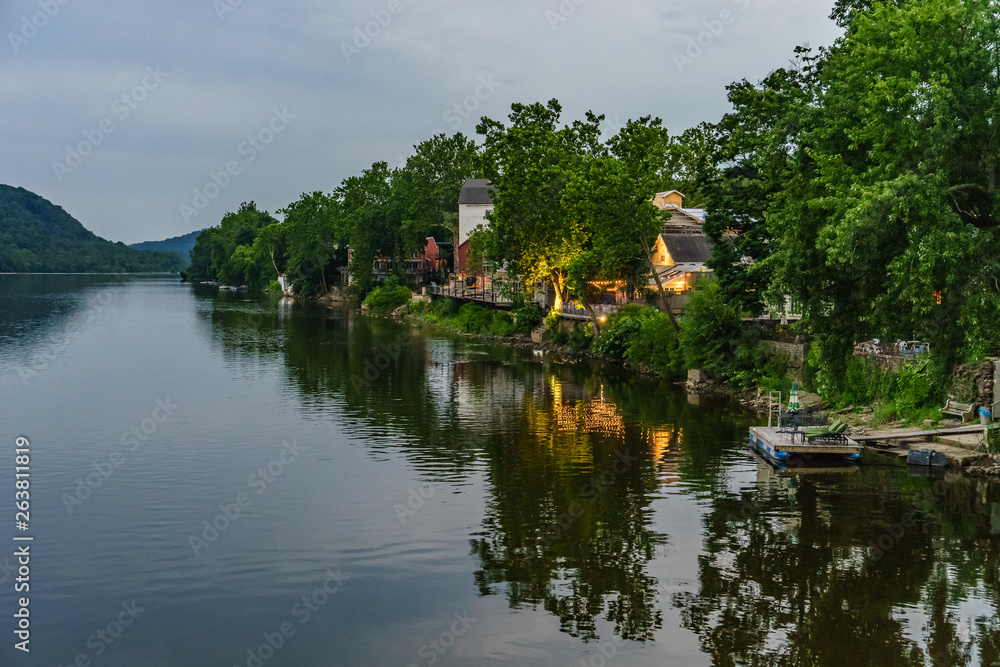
column 224, row 480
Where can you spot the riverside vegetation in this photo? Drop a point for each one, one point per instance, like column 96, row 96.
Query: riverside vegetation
column 859, row 181
column 712, row 337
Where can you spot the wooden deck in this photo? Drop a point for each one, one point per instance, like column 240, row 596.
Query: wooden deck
column 780, row 444
column 916, row 435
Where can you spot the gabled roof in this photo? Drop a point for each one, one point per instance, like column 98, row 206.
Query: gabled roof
column 682, row 215
column 476, row 191
column 686, row 248
column 696, row 213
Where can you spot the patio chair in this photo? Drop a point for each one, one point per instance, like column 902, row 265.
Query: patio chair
column 834, row 431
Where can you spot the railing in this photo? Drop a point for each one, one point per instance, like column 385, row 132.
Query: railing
column 484, row 289
column 573, row 309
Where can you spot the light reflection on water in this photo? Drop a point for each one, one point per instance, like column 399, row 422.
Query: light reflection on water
column 569, row 508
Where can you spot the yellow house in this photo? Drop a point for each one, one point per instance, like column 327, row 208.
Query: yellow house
column 674, row 249
column 682, row 248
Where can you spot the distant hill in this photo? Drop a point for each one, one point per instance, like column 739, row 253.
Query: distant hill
column 182, row 245
column 36, row 236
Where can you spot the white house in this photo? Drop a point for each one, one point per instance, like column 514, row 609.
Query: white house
column 474, row 202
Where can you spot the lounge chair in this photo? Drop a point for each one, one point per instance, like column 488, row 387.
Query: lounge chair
column 834, row 431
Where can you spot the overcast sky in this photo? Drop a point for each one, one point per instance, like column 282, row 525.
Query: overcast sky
column 120, row 111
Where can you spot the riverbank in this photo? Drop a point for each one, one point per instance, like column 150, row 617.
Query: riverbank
column 636, row 334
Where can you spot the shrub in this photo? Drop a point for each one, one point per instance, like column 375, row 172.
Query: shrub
column 623, row 327
column 527, row 318
column 993, row 438
column 581, row 337
column 503, row 324
column 388, row 297
column 656, row 345
column 552, row 325
column 911, row 394
column 442, row 308
column 712, row 332
column 474, row 319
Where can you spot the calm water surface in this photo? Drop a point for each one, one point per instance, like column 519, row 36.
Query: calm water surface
column 219, row 480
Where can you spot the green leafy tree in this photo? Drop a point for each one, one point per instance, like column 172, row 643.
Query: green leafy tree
column 373, row 213
column 533, row 232
column 887, row 224
column 759, row 151
column 691, row 162
column 225, row 253
column 200, row 265
column 430, row 184
column 316, row 241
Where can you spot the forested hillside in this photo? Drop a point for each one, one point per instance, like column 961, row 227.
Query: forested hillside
column 36, row 236
column 182, row 245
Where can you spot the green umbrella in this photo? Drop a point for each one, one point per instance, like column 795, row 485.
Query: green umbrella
column 793, row 399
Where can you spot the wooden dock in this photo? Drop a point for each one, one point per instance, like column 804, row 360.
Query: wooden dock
column 782, row 444
column 918, row 435
column 953, row 442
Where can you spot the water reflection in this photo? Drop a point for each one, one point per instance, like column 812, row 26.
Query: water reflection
column 810, row 568
column 40, row 315
column 799, row 568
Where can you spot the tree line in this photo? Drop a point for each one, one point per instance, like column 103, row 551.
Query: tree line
column 860, row 181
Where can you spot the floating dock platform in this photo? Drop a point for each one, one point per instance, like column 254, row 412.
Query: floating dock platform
column 782, row 445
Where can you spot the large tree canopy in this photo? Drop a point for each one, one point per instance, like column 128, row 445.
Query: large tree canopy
column 533, row 231
column 863, row 181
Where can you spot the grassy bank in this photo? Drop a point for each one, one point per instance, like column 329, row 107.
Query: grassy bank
column 475, row 319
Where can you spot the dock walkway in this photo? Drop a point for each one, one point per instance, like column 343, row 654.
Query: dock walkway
column 916, row 435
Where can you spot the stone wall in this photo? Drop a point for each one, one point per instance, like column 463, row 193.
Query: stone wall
column 795, row 352
column 975, row 383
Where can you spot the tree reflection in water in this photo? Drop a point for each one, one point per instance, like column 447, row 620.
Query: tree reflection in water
column 795, row 568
